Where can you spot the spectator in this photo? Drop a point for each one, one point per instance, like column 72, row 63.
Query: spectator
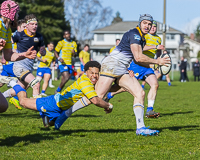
column 183, row 66
column 196, row 73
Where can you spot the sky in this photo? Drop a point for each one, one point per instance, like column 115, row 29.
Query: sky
column 183, row 15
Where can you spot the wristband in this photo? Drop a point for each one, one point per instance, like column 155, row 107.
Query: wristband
column 110, row 106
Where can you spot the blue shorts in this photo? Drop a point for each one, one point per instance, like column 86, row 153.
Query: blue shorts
column 82, row 67
column 66, row 68
column 48, row 107
column 8, row 70
column 42, row 71
column 139, row 71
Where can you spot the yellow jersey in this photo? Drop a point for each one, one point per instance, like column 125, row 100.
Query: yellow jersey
column 112, row 49
column 80, row 88
column 65, row 48
column 6, row 35
column 152, row 40
column 49, row 57
column 85, row 55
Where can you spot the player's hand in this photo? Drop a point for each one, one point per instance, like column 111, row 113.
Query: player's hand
column 61, row 60
column 109, row 109
column 131, row 73
column 44, row 60
column 2, row 44
column 163, row 61
column 30, row 53
column 161, row 47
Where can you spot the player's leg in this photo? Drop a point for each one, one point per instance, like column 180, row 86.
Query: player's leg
column 143, row 84
column 153, row 83
column 132, row 85
column 47, row 77
column 4, row 103
column 168, row 80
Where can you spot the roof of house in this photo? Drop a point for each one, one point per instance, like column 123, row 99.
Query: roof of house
column 124, row 26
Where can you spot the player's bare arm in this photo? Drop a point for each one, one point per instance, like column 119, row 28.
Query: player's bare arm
column 159, row 47
column 2, row 44
column 57, row 56
column 144, row 60
column 9, row 55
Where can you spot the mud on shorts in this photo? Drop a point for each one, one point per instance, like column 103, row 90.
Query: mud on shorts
column 20, row 72
column 111, row 67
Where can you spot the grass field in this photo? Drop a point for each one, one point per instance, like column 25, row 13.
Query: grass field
column 92, row 134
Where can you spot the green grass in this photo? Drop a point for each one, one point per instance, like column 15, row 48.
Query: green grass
column 92, row 134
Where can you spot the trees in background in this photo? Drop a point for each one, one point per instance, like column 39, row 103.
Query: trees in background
column 85, row 16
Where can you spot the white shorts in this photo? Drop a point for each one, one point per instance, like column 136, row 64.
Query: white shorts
column 111, row 67
column 20, row 72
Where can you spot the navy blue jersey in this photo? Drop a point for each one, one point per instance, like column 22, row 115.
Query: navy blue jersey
column 133, row 36
column 24, row 42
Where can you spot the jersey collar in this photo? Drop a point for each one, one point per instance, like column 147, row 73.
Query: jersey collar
column 67, row 41
column 25, row 31
column 138, row 28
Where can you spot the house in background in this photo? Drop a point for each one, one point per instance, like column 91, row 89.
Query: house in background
column 104, row 39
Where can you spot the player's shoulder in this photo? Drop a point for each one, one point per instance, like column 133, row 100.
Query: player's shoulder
column 38, row 35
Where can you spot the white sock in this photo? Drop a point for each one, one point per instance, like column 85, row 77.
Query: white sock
column 7, row 93
column 50, row 82
column 12, row 83
column 78, row 105
column 139, row 114
column 151, row 103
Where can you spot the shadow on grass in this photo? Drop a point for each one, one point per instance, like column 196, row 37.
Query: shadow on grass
column 173, row 113
column 83, row 115
column 31, row 138
column 177, row 128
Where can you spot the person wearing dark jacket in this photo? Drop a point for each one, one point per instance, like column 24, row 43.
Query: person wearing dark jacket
column 182, row 66
column 196, row 72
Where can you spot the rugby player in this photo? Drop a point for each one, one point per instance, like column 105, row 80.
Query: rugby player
column 84, row 57
column 52, row 106
column 117, row 42
column 153, row 43
column 23, row 69
column 44, row 66
column 64, row 51
column 9, row 15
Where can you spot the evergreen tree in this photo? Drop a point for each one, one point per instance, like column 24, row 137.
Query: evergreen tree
column 197, row 33
column 50, row 15
column 117, row 18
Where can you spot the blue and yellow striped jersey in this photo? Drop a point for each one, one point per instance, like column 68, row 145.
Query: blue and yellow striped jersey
column 65, row 48
column 80, row 88
column 85, row 55
column 152, row 40
column 5, row 34
column 49, row 57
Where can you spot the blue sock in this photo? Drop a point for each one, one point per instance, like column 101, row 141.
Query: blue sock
column 142, row 86
column 60, row 120
column 15, row 97
column 43, row 91
column 149, row 109
column 58, row 89
column 109, row 95
column 18, row 89
column 169, row 84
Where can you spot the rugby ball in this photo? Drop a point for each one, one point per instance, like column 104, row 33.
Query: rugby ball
column 165, row 69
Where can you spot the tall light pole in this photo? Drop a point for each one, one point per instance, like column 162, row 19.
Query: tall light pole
column 164, row 22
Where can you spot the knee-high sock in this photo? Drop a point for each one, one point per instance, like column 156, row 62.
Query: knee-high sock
column 139, row 114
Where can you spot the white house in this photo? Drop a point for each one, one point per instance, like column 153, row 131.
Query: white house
column 104, row 39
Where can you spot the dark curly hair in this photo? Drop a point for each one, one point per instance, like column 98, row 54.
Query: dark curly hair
column 92, row 64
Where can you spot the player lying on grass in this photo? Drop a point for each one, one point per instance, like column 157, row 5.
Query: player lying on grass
column 52, row 106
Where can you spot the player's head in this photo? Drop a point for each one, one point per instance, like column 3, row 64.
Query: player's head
column 86, row 47
column 117, row 41
column 92, row 69
column 153, row 28
column 145, row 23
column 9, row 11
column 67, row 35
column 21, row 25
column 165, row 52
column 31, row 23
column 50, row 46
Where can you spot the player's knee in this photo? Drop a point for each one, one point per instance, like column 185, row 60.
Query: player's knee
column 155, row 86
column 140, row 94
column 35, row 83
